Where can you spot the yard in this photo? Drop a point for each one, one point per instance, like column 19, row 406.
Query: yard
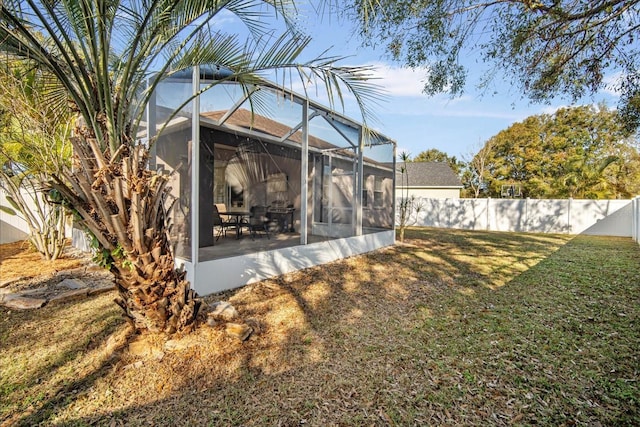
column 451, row 327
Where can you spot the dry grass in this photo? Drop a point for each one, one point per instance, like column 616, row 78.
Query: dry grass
column 19, row 260
column 454, row 328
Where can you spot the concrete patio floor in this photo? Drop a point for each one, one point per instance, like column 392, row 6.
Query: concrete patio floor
column 228, row 246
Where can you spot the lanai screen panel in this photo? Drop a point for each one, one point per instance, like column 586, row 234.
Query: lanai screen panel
column 255, row 153
column 265, row 144
column 378, row 187
column 173, row 157
column 335, row 178
column 268, row 131
column 334, row 195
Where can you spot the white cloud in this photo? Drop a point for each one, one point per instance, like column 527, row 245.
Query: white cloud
column 394, row 82
column 465, row 107
column 552, row 109
column 222, row 18
column 404, row 98
column 398, row 81
column 225, row 17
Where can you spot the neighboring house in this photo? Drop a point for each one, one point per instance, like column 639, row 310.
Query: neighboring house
column 429, row 180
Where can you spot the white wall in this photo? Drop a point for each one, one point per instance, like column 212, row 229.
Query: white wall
column 10, row 233
column 228, row 273
column 596, row 217
column 14, row 228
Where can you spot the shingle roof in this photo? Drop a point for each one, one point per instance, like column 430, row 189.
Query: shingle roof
column 244, row 119
column 429, row 174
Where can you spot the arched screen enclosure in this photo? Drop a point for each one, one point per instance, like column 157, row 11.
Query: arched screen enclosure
column 313, row 174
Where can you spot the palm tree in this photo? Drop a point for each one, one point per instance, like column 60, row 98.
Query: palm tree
column 102, row 54
column 587, row 180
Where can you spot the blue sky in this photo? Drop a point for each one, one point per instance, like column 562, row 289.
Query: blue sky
column 458, row 126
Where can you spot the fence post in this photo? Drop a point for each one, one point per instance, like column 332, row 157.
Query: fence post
column 636, row 215
column 633, row 219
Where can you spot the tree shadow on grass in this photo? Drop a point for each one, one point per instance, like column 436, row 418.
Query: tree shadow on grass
column 341, row 343
column 338, row 343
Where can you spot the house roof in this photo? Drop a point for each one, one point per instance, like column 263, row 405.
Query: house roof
column 429, row 174
column 243, row 118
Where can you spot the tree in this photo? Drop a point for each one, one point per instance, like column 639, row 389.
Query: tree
column 576, row 152
column 33, row 145
column 408, row 205
column 585, row 179
column 475, row 171
column 102, row 54
column 435, row 155
column 623, row 175
column 548, row 47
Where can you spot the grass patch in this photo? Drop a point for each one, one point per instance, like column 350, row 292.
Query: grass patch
column 452, row 327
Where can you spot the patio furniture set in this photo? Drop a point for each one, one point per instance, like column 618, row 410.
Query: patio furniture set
column 260, row 219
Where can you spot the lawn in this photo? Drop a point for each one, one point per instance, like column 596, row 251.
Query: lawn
column 451, row 327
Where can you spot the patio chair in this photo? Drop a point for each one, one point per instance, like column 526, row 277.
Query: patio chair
column 221, row 225
column 222, row 208
column 258, row 221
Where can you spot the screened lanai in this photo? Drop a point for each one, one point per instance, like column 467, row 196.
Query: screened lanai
column 322, row 184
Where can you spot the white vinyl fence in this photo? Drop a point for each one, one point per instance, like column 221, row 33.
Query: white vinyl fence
column 13, row 227
column 635, row 228
column 572, row 216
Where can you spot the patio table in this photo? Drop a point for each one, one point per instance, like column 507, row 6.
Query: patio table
column 239, row 219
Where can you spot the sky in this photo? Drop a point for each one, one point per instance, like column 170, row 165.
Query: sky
column 457, row 126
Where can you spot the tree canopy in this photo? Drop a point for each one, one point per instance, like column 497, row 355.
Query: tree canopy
column 581, row 152
column 435, row 155
column 548, row 47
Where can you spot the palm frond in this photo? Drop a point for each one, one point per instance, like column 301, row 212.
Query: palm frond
column 283, row 54
column 86, row 50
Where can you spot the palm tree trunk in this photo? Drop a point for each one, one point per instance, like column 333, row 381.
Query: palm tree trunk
column 121, row 203
column 153, row 295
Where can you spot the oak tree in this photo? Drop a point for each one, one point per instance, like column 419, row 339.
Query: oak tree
column 547, row 47
column 581, row 152
column 435, row 155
